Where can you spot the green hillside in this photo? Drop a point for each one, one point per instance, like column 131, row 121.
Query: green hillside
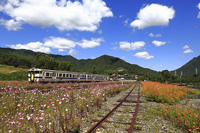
column 26, row 59
column 189, row 68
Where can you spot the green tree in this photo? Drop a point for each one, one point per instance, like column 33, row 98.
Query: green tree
column 65, row 65
column 94, row 70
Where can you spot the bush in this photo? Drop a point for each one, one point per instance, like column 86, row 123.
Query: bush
column 20, row 75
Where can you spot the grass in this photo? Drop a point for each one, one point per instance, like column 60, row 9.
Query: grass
column 10, row 69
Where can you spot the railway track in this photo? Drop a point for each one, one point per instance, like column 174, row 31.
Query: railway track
column 122, row 117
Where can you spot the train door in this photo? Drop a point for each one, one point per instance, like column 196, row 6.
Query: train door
column 32, row 76
column 54, row 76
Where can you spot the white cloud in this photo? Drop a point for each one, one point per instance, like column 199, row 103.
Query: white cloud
column 158, row 43
column 72, row 52
column 198, row 6
column 121, row 16
column 143, row 55
column 94, row 42
column 63, row 14
column 114, row 48
column 68, row 34
column 188, row 51
column 62, row 44
column 34, row 46
column 186, row 47
column 10, row 24
column 100, row 31
column 59, row 43
column 153, row 15
column 123, row 57
column 126, row 22
column 157, row 35
column 124, row 45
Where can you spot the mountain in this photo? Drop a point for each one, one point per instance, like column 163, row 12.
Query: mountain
column 106, row 62
column 189, row 69
column 101, row 63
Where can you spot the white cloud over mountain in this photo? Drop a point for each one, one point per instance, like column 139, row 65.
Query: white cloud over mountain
column 124, row 45
column 153, row 15
column 143, row 55
column 94, row 42
column 63, row 14
column 62, row 44
column 34, row 46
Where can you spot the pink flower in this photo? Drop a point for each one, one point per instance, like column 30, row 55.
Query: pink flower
column 66, row 109
column 18, row 105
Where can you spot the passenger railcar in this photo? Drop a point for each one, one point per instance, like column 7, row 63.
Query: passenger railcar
column 45, row 75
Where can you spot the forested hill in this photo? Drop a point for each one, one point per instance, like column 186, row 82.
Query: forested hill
column 106, row 62
column 189, row 68
column 26, row 58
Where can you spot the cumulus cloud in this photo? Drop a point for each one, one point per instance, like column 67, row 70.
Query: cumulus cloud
column 11, row 24
column 187, row 51
column 186, row 47
column 158, row 43
column 94, row 42
column 124, row 45
column 153, row 15
column 72, row 52
column 59, row 43
column 63, row 14
column 143, row 55
column 34, row 46
column 198, row 6
column 62, row 44
column 152, row 35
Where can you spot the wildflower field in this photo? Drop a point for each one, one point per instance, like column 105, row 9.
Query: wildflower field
column 51, row 107
column 185, row 117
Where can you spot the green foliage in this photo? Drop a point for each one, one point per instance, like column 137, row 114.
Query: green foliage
column 19, row 75
column 65, row 65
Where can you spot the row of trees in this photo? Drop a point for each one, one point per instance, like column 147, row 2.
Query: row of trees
column 166, row 77
column 41, row 60
column 45, row 62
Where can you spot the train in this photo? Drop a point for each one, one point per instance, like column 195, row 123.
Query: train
column 53, row 76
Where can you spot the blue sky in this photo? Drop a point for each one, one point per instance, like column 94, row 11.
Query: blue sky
column 156, row 34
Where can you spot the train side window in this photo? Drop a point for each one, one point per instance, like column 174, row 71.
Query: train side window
column 60, row 75
column 67, row 75
column 47, row 74
column 63, row 75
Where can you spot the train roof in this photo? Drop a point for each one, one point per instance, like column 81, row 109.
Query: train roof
column 48, row 70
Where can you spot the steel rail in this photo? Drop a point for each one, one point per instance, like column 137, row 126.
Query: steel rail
column 131, row 128
column 98, row 124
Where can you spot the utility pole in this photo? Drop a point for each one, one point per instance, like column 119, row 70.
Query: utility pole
column 175, row 73
column 181, row 76
column 196, row 71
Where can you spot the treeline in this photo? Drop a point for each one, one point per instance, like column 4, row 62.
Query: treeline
column 41, row 60
column 166, row 77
